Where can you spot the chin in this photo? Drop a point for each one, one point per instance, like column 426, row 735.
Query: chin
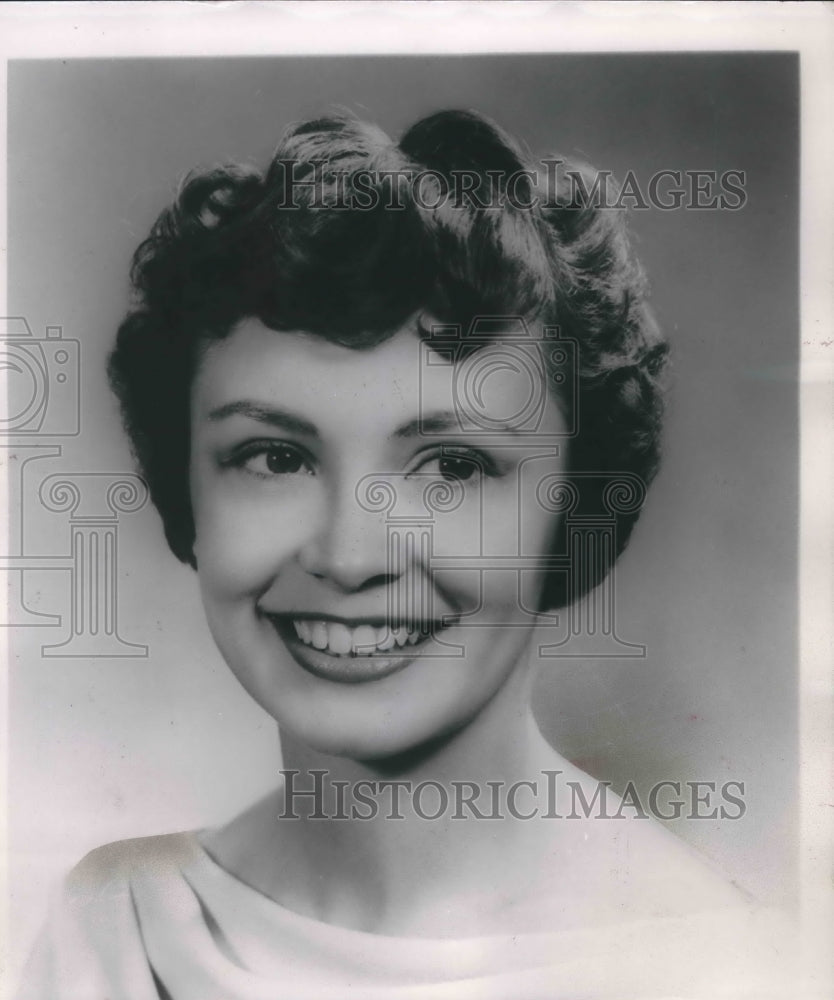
column 368, row 743
column 389, row 740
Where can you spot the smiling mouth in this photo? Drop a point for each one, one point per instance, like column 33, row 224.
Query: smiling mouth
column 352, row 653
column 339, row 639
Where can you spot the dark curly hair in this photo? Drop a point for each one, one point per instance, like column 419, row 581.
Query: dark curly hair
column 329, row 241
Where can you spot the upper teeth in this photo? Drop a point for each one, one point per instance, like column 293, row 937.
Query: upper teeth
column 341, row 640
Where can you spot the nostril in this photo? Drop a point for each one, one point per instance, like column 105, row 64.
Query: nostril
column 380, row 580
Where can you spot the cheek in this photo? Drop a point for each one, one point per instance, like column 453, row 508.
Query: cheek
column 490, row 589
column 244, row 535
column 503, row 523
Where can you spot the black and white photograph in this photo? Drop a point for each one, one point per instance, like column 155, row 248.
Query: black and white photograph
column 413, row 538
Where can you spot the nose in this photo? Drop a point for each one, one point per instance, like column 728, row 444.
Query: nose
column 350, row 550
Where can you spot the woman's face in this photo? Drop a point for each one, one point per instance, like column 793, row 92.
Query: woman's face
column 369, row 619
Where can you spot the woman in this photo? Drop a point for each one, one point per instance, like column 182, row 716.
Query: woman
column 367, row 389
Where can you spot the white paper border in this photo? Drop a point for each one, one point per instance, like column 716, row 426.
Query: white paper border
column 72, row 30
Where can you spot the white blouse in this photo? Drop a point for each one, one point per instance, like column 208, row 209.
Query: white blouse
column 158, row 918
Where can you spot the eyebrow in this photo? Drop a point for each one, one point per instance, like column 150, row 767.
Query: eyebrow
column 266, row 415
column 440, row 423
column 435, row 423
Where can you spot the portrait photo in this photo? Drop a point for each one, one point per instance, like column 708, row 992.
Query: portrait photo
column 402, row 458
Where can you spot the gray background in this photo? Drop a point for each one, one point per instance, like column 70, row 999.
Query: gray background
column 104, row 748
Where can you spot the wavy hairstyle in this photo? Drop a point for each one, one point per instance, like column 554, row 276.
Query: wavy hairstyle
column 316, row 243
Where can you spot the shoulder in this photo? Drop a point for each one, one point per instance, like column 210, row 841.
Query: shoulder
column 664, row 876
column 626, row 870
column 113, row 867
column 93, row 941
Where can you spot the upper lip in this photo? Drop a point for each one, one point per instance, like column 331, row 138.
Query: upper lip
column 354, row 621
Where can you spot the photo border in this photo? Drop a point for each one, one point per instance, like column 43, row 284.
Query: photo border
column 164, row 29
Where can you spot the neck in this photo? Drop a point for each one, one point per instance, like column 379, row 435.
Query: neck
column 416, row 841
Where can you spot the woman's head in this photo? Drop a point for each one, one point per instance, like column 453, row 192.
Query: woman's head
column 352, row 538
column 340, row 381
column 348, row 235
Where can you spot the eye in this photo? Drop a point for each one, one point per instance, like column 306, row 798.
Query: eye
column 273, row 458
column 282, row 459
column 458, row 468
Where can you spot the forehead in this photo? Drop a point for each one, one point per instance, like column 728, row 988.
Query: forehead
column 399, row 380
column 295, row 366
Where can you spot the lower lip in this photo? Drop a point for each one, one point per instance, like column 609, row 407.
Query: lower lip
column 346, row 669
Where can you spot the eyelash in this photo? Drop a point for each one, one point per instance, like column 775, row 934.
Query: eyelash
column 481, row 461
column 256, row 449
column 243, row 456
